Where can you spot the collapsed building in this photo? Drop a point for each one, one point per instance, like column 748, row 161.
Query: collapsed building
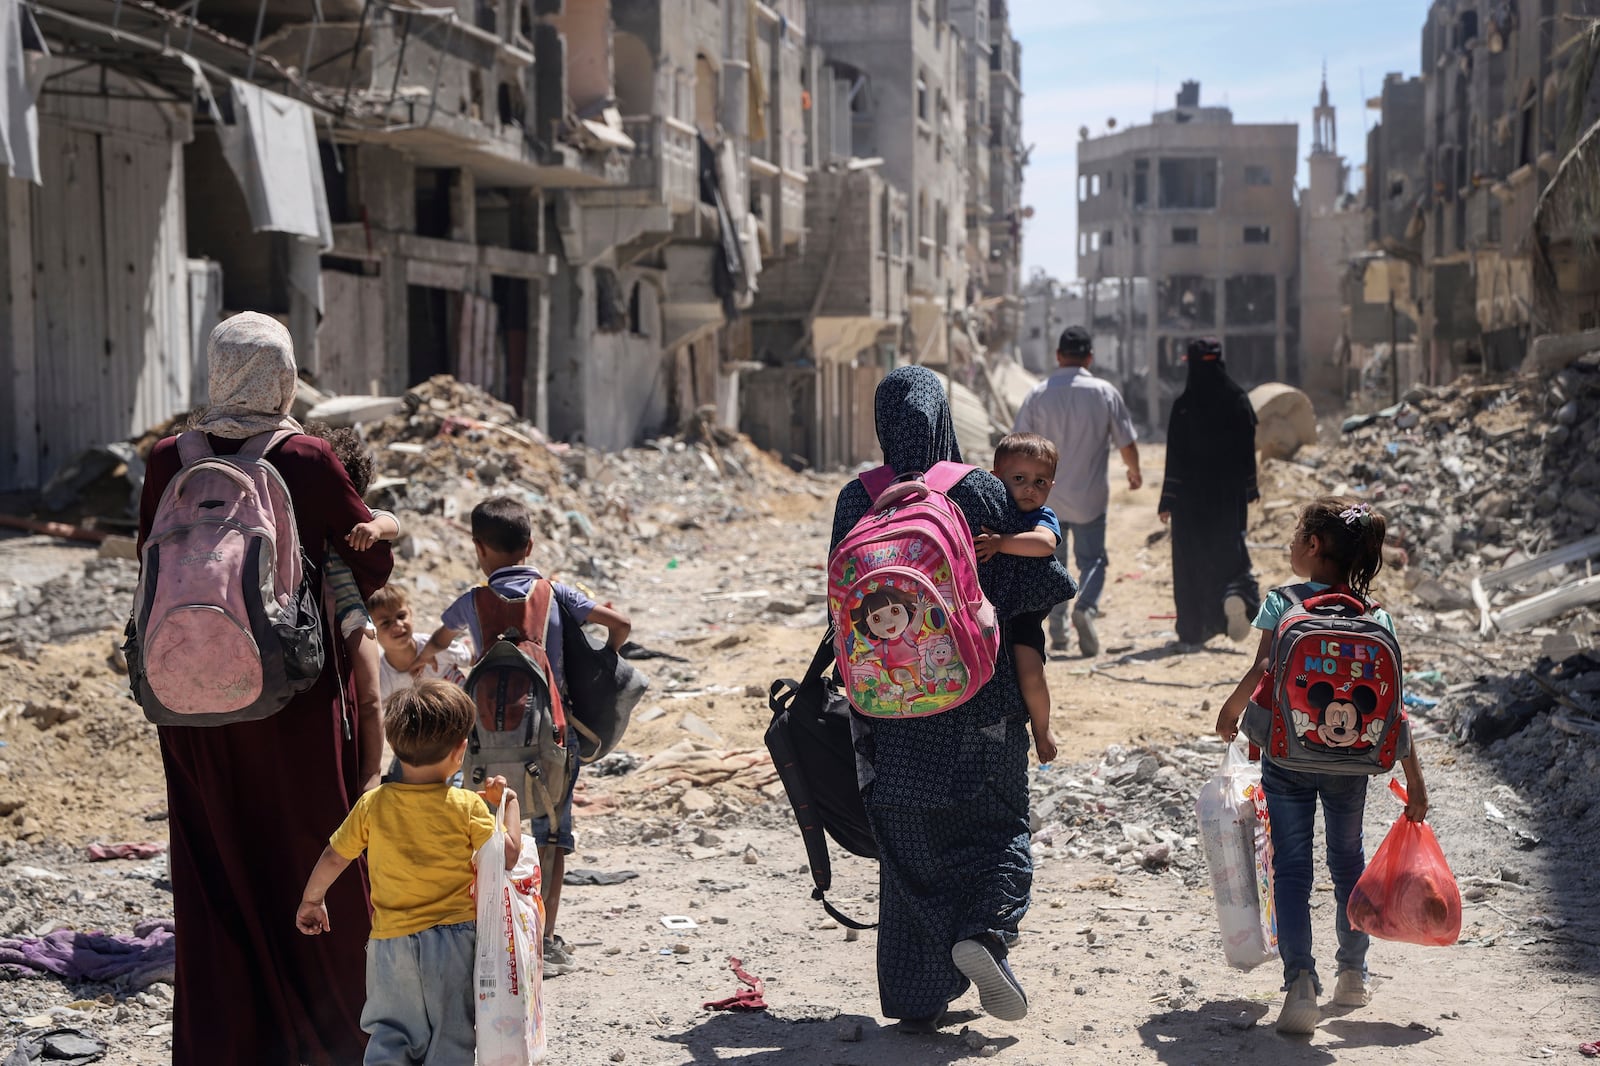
column 610, row 214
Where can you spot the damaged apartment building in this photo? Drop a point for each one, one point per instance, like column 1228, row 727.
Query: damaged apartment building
column 413, row 190
column 613, row 214
column 1458, row 165
column 1202, row 210
column 905, row 148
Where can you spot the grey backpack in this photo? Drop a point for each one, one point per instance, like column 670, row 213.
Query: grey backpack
column 521, row 732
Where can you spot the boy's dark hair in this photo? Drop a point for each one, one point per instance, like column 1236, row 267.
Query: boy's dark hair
column 424, row 723
column 502, row 524
column 350, row 450
column 1028, row 446
column 388, row 598
column 1351, row 533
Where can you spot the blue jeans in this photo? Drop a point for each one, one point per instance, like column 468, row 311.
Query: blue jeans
column 421, row 1006
column 1292, row 804
column 1087, row 543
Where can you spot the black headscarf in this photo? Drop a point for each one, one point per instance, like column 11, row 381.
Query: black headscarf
column 1211, row 436
column 916, row 431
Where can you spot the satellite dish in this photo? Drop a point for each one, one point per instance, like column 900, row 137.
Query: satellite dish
column 1027, row 212
column 1111, row 123
column 1083, row 133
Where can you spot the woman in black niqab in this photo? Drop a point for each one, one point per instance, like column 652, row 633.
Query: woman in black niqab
column 1209, row 485
column 947, row 795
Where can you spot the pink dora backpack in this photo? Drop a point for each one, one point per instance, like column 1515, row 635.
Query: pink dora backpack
column 914, row 633
column 226, row 625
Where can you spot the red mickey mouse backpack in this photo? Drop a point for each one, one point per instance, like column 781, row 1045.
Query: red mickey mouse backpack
column 1332, row 704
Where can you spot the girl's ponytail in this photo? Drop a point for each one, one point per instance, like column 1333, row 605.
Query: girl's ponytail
column 1352, row 535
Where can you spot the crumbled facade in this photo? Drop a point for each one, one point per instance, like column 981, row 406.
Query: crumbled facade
column 1203, row 211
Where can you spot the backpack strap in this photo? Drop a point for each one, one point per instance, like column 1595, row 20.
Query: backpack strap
column 529, row 617
column 193, row 447
column 257, row 447
column 946, row 476
column 877, row 481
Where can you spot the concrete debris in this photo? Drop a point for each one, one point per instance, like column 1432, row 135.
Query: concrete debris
column 1489, row 475
column 1285, row 420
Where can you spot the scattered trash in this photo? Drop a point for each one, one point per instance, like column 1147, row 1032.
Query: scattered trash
column 679, row 922
column 136, row 850
column 58, row 1047
column 749, row 995
column 598, row 877
column 140, row 960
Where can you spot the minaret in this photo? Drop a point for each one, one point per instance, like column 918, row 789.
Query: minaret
column 1326, row 165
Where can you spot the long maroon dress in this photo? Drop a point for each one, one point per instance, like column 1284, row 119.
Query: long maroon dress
column 251, row 807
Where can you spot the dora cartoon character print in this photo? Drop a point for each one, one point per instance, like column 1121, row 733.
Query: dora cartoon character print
column 889, row 620
column 902, row 659
column 913, row 633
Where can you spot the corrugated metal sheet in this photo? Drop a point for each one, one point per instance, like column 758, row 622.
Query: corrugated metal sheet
column 112, row 352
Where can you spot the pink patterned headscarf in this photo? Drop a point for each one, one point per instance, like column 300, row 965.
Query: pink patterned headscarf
column 250, row 360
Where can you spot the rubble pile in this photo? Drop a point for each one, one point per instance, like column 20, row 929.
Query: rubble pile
column 1543, row 726
column 455, row 443
column 1133, row 810
column 1455, row 469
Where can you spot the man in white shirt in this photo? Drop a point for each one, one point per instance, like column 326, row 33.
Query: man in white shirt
column 1084, row 416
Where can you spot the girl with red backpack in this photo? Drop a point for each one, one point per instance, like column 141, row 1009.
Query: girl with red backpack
column 1338, row 550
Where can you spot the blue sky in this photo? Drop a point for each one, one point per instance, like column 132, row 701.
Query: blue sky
column 1084, row 61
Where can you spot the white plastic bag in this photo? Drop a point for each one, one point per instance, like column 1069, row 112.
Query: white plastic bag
column 1236, row 837
column 509, row 973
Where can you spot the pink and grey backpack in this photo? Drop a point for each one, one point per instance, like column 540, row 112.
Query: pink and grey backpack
column 226, row 624
column 914, row 633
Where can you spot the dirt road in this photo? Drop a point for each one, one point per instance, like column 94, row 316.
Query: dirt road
column 1122, row 961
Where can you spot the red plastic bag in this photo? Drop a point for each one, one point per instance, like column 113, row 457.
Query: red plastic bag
column 1408, row 892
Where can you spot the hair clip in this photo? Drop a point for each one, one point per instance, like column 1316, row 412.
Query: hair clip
column 1361, row 512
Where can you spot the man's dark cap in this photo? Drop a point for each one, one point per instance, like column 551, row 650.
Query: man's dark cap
column 1205, row 350
column 1075, row 340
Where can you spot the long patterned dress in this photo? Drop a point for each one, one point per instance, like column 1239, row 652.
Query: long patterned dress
column 947, row 795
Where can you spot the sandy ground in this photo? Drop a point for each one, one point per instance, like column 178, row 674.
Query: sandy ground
column 1121, row 965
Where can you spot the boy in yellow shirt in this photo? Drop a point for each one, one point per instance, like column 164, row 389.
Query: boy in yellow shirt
column 420, row 835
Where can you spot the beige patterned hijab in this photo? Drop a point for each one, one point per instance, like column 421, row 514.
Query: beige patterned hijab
column 252, row 377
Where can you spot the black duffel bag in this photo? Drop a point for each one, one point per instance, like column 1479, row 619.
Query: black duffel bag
column 602, row 690
column 811, row 746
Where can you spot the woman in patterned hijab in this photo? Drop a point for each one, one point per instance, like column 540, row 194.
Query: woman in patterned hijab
column 251, row 377
column 947, row 795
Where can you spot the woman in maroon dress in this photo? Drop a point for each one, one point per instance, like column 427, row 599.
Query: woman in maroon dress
column 251, row 805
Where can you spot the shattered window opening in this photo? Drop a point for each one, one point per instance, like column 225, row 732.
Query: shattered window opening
column 1251, row 300
column 1186, row 301
column 1189, row 184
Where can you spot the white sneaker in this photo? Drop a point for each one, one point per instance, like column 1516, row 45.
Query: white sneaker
column 1352, row 989
column 1300, row 1012
column 1238, row 618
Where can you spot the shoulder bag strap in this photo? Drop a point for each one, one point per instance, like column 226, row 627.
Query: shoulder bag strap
column 823, row 659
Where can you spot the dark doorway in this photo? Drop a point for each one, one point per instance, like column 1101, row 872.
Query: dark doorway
column 511, row 303
column 429, row 332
